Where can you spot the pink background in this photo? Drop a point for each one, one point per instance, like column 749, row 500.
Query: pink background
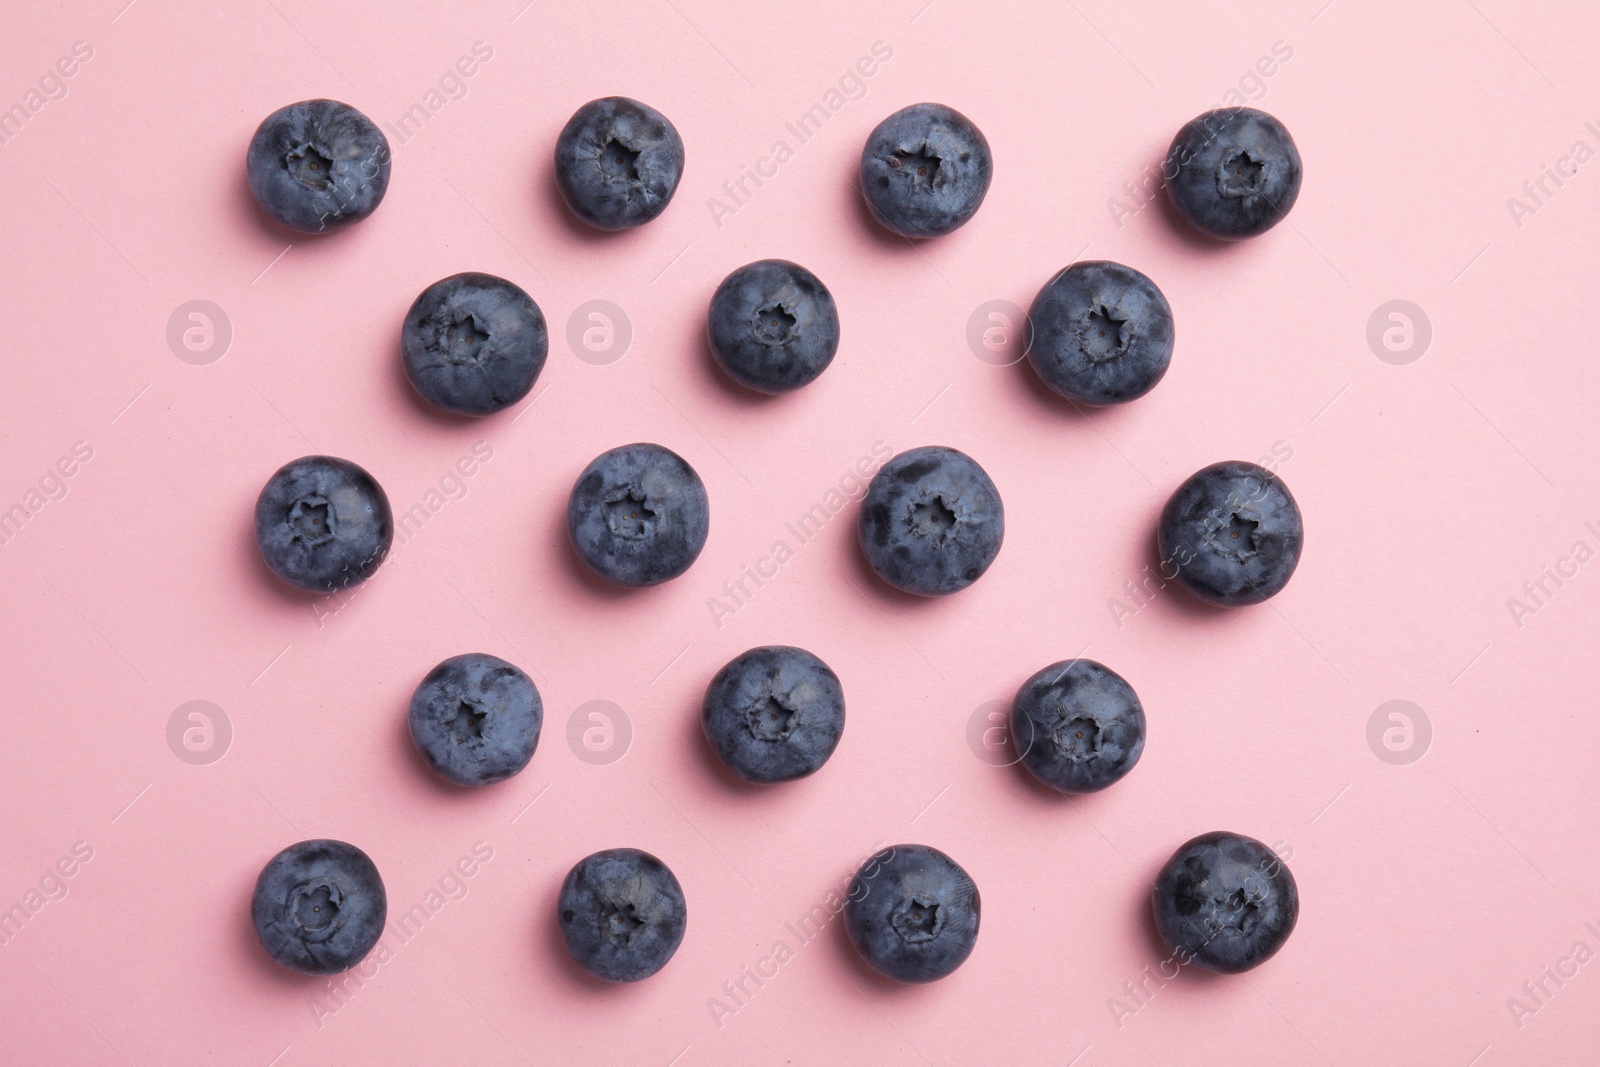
column 1432, row 491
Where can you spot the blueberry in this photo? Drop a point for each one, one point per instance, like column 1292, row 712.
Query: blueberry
column 319, row 906
column 1101, row 333
column 931, row 522
column 774, row 713
column 323, row 524
column 1233, row 172
column 1226, row 901
column 1233, row 534
column 476, row 719
column 318, row 165
column 638, row 515
column 1078, row 726
column 925, row 170
column 622, row 914
column 474, row 344
column 773, row 326
column 618, row 163
column 912, row 913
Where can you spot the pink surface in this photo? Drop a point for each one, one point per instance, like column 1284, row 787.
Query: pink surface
column 1432, row 491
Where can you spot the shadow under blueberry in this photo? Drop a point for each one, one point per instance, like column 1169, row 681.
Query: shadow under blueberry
column 575, row 227
column 554, row 946
column 1175, row 594
column 431, row 779
column 1160, row 954
column 876, row 983
column 401, row 381
column 579, row 571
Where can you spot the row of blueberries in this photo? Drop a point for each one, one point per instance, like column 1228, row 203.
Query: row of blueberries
column 931, row 523
column 1224, row 902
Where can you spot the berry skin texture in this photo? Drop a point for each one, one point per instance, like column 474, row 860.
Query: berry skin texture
column 1233, row 172
column 317, row 166
column 912, row 913
column 925, row 170
column 1225, row 902
column 474, row 344
column 1101, row 333
column 319, row 906
column 475, row 718
column 773, row 326
column 774, row 713
column 1233, row 533
column 622, row 914
column 931, row 522
column 1078, row 726
column 618, row 162
column 323, row 524
column 638, row 515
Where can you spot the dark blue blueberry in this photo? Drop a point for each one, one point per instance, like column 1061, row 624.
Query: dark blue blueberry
column 622, row 914
column 774, row 713
column 925, row 170
column 319, row 906
column 931, row 522
column 773, row 326
column 1225, row 902
column 1233, row 534
column 476, row 718
column 1101, row 333
column 618, row 163
column 912, row 913
column 323, row 524
column 1233, row 172
column 318, row 165
column 638, row 515
column 474, row 344
column 1078, row 726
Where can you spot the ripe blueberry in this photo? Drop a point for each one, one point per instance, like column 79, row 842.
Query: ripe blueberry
column 773, row 326
column 319, row 906
column 1233, row 172
column 1225, row 900
column 912, row 913
column 622, row 914
column 1078, row 726
column 638, row 515
column 618, row 163
column 318, row 165
column 323, row 524
column 1232, row 532
column 774, row 713
column 473, row 344
column 1101, row 333
column 925, row 170
column 476, row 719
column 931, row 522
